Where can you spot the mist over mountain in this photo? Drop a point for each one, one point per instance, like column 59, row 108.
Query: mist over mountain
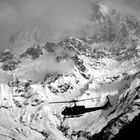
column 52, row 20
column 69, row 69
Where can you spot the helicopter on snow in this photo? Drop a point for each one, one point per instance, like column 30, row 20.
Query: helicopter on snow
column 77, row 111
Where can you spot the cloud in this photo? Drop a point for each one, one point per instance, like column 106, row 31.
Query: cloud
column 124, row 6
column 36, row 70
column 53, row 17
column 5, row 77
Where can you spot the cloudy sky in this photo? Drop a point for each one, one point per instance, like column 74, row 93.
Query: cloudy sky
column 54, row 17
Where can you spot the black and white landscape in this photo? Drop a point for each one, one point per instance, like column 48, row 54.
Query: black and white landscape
column 62, row 59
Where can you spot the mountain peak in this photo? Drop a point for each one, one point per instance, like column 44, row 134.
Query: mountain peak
column 100, row 12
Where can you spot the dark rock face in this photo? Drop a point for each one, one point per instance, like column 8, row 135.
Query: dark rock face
column 33, row 52
column 50, row 47
column 6, row 55
column 75, row 46
column 130, row 131
column 8, row 60
column 10, row 65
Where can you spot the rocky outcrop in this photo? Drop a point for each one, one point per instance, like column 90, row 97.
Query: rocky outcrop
column 33, row 52
column 8, row 60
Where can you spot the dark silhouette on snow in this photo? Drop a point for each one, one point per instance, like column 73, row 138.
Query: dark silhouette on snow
column 77, row 111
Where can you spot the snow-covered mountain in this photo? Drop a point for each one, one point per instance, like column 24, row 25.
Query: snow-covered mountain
column 72, row 69
column 100, row 12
